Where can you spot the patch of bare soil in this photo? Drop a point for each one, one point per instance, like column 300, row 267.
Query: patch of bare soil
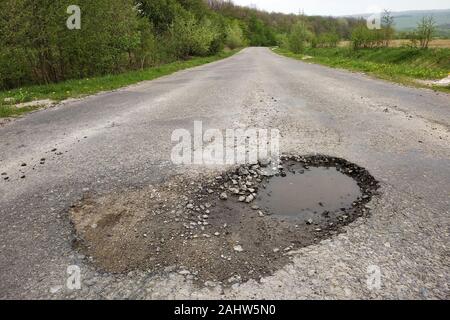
column 209, row 228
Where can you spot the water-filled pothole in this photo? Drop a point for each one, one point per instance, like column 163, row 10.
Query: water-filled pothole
column 212, row 226
column 308, row 193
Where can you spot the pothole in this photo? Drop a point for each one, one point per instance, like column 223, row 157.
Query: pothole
column 308, row 193
column 223, row 228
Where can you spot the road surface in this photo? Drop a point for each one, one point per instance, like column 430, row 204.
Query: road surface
column 121, row 140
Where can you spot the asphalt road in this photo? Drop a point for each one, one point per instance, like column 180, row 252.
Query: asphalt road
column 121, row 140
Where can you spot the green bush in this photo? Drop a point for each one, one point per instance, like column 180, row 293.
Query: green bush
column 234, row 35
column 190, row 37
column 326, row 40
column 299, row 37
column 45, row 50
column 115, row 36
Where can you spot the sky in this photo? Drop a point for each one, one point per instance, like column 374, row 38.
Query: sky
column 344, row 7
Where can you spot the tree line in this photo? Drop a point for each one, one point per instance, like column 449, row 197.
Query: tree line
column 303, row 34
column 121, row 35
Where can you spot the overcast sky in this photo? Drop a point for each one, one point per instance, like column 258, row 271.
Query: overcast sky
column 344, row 7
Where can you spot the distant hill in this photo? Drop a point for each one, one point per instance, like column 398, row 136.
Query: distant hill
column 407, row 20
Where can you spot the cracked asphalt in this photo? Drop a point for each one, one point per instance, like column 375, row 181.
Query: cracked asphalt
column 121, row 140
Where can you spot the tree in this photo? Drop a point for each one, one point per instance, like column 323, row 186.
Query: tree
column 425, row 31
column 146, row 54
column 299, row 37
column 189, row 37
column 362, row 37
column 234, row 35
column 160, row 13
column 37, row 46
column 387, row 24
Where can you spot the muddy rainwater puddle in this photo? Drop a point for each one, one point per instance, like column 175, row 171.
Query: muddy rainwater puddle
column 308, row 193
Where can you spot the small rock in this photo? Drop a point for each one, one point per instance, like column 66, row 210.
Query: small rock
column 223, row 196
column 264, row 162
column 311, row 272
column 238, row 248
column 309, row 221
column 23, row 164
column 243, row 171
column 55, row 289
column 250, row 198
column 184, row 272
column 234, row 190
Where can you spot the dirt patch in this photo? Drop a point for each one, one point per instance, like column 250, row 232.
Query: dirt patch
column 209, row 228
column 440, row 83
column 45, row 103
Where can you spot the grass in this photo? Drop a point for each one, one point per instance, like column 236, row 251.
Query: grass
column 402, row 65
column 83, row 87
column 11, row 111
column 435, row 43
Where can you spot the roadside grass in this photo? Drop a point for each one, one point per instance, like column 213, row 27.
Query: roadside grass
column 435, row 43
column 12, row 111
column 402, row 65
column 83, row 87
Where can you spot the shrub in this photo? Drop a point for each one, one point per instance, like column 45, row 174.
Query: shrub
column 234, row 35
column 299, row 37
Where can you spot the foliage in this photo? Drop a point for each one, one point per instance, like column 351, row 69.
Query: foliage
column 115, row 36
column 425, row 31
column 280, row 23
column 234, row 37
column 259, row 34
column 325, row 40
column 37, row 47
column 191, row 37
column 387, row 27
column 299, row 37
